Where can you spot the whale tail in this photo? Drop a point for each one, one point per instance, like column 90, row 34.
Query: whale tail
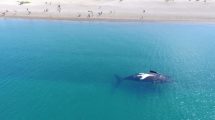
column 118, row 81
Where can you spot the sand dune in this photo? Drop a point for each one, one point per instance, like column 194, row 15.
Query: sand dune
column 152, row 10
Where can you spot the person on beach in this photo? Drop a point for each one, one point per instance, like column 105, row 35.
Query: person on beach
column 144, row 11
column 100, row 13
column 4, row 13
column 29, row 12
column 90, row 12
column 79, row 15
column 46, row 10
column 59, row 8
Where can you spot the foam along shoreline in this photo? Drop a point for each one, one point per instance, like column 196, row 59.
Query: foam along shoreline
column 111, row 10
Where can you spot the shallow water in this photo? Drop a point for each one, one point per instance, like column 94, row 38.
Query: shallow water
column 60, row 70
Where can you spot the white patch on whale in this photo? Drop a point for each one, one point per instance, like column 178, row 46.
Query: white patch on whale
column 144, row 75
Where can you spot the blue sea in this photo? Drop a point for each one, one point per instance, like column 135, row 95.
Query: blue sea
column 64, row 70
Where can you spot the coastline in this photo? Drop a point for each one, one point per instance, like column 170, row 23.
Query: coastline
column 112, row 11
column 209, row 21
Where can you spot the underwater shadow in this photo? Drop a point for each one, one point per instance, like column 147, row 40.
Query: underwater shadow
column 139, row 89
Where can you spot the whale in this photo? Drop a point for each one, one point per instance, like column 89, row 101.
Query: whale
column 151, row 76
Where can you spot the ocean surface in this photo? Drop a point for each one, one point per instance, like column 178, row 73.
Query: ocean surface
column 61, row 70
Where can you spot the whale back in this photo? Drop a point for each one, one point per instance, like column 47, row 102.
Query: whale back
column 151, row 71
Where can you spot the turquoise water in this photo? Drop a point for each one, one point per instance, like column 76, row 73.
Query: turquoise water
column 60, row 70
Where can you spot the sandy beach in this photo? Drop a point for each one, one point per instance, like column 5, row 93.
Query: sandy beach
column 138, row 10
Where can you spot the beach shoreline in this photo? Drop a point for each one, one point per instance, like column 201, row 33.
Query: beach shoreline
column 125, row 11
column 190, row 21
